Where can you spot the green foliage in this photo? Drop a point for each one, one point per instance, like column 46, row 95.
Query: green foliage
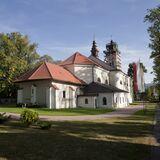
column 29, row 117
column 45, row 125
column 143, row 67
column 153, row 18
column 3, row 118
column 46, row 58
column 130, row 70
column 17, row 55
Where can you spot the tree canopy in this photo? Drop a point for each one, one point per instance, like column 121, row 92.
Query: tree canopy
column 17, row 55
column 153, row 18
column 46, row 58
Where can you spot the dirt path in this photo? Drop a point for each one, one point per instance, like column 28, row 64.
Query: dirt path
column 120, row 112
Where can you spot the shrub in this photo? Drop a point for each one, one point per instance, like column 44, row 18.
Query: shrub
column 4, row 117
column 29, row 117
column 23, row 105
column 45, row 125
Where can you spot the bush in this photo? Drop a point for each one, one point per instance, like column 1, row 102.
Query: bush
column 45, row 125
column 4, row 118
column 29, row 117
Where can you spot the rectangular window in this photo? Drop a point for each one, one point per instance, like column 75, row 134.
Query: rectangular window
column 64, row 94
column 86, row 100
column 32, row 91
column 116, row 100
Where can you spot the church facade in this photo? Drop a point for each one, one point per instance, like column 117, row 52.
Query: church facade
column 78, row 81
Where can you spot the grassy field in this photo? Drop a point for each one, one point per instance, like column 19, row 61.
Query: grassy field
column 108, row 139
column 59, row 112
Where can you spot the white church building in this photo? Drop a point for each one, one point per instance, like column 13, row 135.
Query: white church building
column 78, row 81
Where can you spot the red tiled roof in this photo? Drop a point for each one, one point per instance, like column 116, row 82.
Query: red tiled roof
column 49, row 71
column 77, row 58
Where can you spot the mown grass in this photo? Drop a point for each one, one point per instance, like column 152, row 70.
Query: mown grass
column 58, row 112
column 126, row 138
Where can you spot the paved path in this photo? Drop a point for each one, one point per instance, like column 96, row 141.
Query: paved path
column 155, row 153
column 120, row 112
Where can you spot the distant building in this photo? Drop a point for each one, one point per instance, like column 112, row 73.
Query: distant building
column 136, row 72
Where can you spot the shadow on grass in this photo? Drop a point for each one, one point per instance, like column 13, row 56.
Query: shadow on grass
column 29, row 146
column 111, row 139
column 75, row 141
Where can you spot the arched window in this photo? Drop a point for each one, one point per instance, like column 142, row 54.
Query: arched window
column 106, row 81
column 104, row 101
column 64, row 94
column 116, row 100
column 99, row 80
column 86, row 100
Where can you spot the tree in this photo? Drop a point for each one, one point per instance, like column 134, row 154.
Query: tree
column 46, row 58
column 130, row 70
column 143, row 67
column 153, row 18
column 17, row 55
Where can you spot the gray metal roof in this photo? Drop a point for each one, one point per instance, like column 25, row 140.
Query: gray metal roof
column 96, row 87
column 101, row 63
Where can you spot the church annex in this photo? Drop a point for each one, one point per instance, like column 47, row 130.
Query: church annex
column 78, row 81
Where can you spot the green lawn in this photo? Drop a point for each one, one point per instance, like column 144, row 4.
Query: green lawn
column 59, row 112
column 108, row 139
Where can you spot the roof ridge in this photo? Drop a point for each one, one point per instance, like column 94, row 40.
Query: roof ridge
column 113, row 87
column 75, row 57
column 38, row 67
column 48, row 68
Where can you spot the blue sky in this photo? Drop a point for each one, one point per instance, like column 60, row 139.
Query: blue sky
column 62, row 27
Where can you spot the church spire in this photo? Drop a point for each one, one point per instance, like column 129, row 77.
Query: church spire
column 94, row 50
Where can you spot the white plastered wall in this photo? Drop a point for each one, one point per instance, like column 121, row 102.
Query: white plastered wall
column 84, row 72
column 71, row 92
column 102, row 74
column 40, row 91
column 119, row 80
column 109, row 98
column 90, row 104
column 121, row 99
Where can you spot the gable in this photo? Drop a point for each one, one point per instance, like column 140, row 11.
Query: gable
column 49, row 71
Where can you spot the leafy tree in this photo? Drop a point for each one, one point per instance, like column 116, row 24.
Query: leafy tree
column 130, row 70
column 46, row 58
column 143, row 67
column 153, row 18
column 17, row 55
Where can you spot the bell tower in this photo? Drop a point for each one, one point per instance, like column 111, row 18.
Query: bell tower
column 94, row 50
column 112, row 55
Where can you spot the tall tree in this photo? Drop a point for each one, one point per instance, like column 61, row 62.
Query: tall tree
column 17, row 55
column 46, row 58
column 153, row 18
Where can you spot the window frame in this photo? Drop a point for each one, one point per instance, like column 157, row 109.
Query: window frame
column 104, row 101
column 86, row 100
column 99, row 79
column 64, row 94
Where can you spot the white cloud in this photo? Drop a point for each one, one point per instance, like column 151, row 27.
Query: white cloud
column 7, row 28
